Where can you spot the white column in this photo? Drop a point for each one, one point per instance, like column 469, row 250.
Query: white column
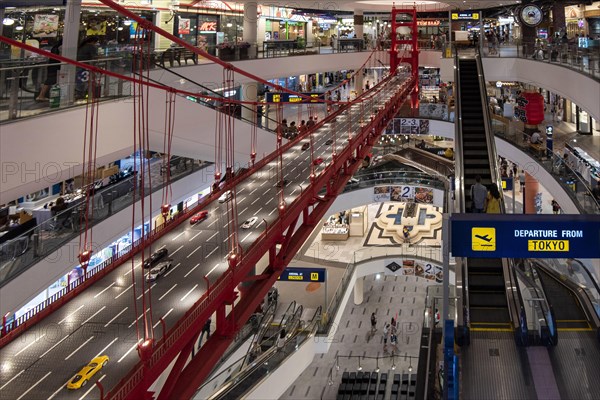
column 251, row 27
column 358, row 291
column 249, row 93
column 66, row 77
column 358, row 33
column 358, row 24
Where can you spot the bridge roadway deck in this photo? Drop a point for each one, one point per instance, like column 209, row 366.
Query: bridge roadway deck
column 101, row 320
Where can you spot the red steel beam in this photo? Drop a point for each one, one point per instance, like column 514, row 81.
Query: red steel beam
column 132, row 386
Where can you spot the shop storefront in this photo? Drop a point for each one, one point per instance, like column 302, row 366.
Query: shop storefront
column 199, row 30
column 43, row 27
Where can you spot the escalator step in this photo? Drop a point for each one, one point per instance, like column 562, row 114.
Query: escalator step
column 487, row 299
column 489, row 315
column 480, row 281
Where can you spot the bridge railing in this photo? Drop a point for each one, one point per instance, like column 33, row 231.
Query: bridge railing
column 165, row 347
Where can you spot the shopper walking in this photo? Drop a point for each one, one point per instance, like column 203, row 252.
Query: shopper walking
column 373, row 323
column 478, row 195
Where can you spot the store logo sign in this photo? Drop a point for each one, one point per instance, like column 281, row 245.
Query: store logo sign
column 208, row 26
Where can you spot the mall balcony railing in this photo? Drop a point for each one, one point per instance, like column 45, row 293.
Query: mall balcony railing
column 575, row 185
column 54, row 231
column 583, row 60
column 22, row 80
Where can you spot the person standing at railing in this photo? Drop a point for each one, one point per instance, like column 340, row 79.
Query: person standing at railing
column 51, row 73
column 87, row 51
column 555, row 207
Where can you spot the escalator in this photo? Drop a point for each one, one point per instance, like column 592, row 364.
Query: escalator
column 568, row 311
column 488, row 305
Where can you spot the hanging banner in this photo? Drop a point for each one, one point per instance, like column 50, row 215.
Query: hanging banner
column 96, row 28
column 45, row 25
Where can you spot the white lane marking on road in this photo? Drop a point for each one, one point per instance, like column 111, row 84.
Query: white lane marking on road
column 93, row 315
column 197, row 248
column 244, row 210
column 240, row 201
column 255, row 200
column 213, row 268
column 116, row 316
column 137, row 319
column 209, row 254
column 105, row 289
column 163, row 318
column 31, row 388
column 175, row 238
column 195, row 236
column 188, row 293
column 270, row 200
column 212, row 236
column 272, row 211
column 172, row 269
column 225, row 226
column 55, row 393
column 252, row 192
column 241, row 190
column 92, row 387
column 167, row 292
column 106, row 348
column 147, row 290
column 294, row 191
column 190, row 271
column 179, row 248
column 257, row 211
column 12, row 379
column 129, row 270
column 263, row 184
column 212, row 223
column 55, row 344
column 226, row 239
column 73, row 313
column 129, row 351
column 266, row 191
column 246, row 237
column 124, row 291
column 30, row 344
column 79, row 348
column 293, row 169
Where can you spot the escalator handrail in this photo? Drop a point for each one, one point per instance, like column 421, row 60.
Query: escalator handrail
column 514, row 297
column 264, row 324
column 459, row 187
column 580, row 292
column 539, row 288
column 211, row 92
column 264, row 358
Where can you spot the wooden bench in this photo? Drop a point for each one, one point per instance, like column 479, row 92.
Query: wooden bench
column 176, row 54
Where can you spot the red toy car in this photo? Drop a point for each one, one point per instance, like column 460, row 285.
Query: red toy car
column 201, row 216
column 317, row 161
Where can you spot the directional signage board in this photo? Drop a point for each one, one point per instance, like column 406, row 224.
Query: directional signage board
column 293, row 274
column 525, row 236
column 276, row 97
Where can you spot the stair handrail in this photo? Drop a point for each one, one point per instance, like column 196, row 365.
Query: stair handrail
column 264, row 357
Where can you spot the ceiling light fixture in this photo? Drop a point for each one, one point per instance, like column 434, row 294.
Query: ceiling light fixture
column 8, row 21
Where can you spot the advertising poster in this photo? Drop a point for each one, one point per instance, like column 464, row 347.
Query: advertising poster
column 45, row 25
column 96, row 28
column 381, row 193
column 424, row 195
column 402, row 193
column 184, row 26
column 422, row 269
